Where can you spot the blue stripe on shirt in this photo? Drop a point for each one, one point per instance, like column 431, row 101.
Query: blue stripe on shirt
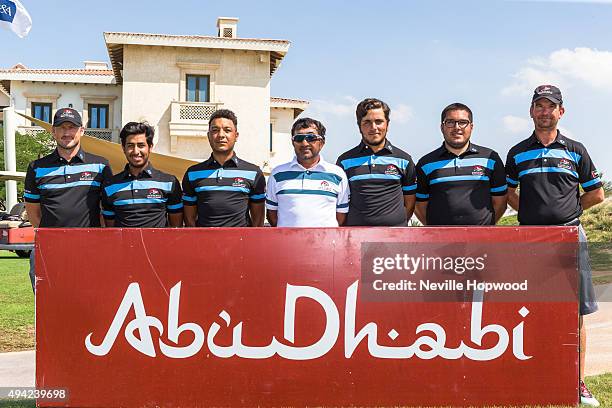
column 138, row 185
column 445, row 164
column 548, row 153
column 175, row 206
column 222, row 188
column 257, row 196
column 547, row 170
column 499, row 189
column 67, row 185
column 458, row 178
column 140, row 201
column 409, row 188
column 73, row 169
column 221, row 173
column 315, row 175
column 32, row 196
column 375, row 177
column 307, row 192
column 590, row 183
column 376, row 160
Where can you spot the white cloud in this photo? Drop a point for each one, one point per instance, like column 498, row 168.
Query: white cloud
column 566, row 132
column 401, row 113
column 516, row 124
column 343, row 107
column 565, row 68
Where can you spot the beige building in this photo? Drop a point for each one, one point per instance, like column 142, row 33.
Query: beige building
column 174, row 82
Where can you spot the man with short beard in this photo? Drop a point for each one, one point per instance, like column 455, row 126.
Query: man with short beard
column 550, row 169
column 381, row 176
column 460, row 183
column 141, row 196
column 63, row 189
column 224, row 191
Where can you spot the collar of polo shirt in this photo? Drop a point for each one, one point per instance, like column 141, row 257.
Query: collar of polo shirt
column 443, row 151
column 233, row 159
column 559, row 139
column 295, row 163
column 146, row 172
column 78, row 157
column 388, row 146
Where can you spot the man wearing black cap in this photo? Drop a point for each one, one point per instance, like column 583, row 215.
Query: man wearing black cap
column 63, row 189
column 550, row 168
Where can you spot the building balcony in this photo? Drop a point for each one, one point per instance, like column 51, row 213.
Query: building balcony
column 110, row 135
column 189, row 119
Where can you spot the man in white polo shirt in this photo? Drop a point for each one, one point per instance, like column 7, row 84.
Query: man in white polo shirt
column 307, row 191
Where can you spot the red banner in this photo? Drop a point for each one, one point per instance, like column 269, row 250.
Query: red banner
column 293, row 317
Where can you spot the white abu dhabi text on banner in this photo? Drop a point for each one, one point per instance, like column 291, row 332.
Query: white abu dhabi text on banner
column 15, row 17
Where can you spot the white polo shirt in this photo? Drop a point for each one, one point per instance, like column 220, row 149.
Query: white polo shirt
column 307, row 197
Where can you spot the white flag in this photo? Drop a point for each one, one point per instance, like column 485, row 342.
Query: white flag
column 15, row 17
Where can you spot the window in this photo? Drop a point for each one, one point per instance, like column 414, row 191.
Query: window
column 198, row 88
column 98, row 116
column 41, row 111
column 271, row 145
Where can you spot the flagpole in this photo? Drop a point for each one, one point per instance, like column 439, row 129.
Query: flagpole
column 10, row 162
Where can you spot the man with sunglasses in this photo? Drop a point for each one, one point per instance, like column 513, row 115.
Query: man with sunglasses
column 460, row 183
column 381, row 176
column 307, row 191
column 550, row 169
column 223, row 191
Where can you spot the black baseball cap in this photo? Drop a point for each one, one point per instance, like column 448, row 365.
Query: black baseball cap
column 550, row 92
column 67, row 115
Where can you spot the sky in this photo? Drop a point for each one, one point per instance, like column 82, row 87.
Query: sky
column 418, row 56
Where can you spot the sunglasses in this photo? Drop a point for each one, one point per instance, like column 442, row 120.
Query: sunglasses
column 309, row 137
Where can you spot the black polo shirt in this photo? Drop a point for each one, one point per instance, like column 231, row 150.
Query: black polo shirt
column 142, row 201
column 222, row 192
column 378, row 183
column 458, row 189
column 549, row 179
column 68, row 192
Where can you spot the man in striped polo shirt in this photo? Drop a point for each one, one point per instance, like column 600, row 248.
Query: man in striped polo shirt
column 307, row 191
column 223, row 191
column 460, row 183
column 550, row 168
column 141, row 196
column 381, row 177
column 63, row 189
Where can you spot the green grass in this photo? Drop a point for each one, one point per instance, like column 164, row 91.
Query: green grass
column 16, row 304
column 600, row 386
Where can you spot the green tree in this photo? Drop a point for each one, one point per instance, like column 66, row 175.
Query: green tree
column 27, row 148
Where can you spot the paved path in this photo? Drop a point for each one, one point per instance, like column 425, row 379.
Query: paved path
column 599, row 333
column 17, row 369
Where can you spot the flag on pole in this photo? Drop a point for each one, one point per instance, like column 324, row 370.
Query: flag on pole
column 15, row 17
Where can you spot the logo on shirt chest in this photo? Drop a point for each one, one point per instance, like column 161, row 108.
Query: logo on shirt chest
column 325, row 186
column 391, row 170
column 154, row 193
column 86, row 176
column 564, row 164
column 478, row 171
column 239, row 182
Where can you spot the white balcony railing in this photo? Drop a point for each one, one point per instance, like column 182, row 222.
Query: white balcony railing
column 193, row 112
column 109, row 135
column 30, row 130
column 104, row 134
